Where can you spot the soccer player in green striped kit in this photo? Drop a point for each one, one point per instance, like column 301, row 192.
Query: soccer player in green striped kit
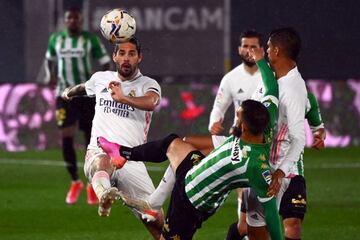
column 68, row 58
column 203, row 183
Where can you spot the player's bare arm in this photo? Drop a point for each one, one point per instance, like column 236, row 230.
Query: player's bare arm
column 51, row 70
column 319, row 138
column 217, row 128
column 70, row 92
column 275, row 182
column 148, row 102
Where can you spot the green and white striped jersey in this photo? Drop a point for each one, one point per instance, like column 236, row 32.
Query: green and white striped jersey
column 232, row 165
column 235, row 163
column 73, row 55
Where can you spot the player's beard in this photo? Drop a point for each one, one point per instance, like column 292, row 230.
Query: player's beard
column 246, row 60
column 125, row 70
column 236, row 131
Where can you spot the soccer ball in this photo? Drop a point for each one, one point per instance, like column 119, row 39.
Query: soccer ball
column 117, row 26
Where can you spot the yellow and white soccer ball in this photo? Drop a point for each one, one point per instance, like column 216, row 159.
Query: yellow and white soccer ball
column 117, row 25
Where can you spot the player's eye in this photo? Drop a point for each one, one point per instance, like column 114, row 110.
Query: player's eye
column 132, row 54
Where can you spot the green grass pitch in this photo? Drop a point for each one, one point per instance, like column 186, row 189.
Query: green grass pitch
column 33, row 188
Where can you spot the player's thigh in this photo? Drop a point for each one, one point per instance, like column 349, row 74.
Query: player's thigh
column 86, row 112
column 134, row 180
column 177, row 152
column 200, row 141
column 257, row 233
column 65, row 117
column 293, row 199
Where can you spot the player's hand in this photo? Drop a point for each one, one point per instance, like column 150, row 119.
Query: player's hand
column 256, row 53
column 217, row 128
column 64, row 94
column 116, row 91
column 275, row 184
column 319, row 137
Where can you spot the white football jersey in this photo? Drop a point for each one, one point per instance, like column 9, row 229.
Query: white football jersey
column 118, row 122
column 235, row 87
column 288, row 145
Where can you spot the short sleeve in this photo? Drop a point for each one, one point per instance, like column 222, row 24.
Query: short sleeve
column 51, row 51
column 152, row 86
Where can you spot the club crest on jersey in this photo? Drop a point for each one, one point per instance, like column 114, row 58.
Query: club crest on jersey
column 267, row 176
column 195, row 158
column 132, row 93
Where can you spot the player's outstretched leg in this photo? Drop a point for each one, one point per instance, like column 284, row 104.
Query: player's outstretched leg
column 106, row 200
column 113, row 150
column 154, row 151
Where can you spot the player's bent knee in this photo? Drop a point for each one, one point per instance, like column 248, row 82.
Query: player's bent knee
column 177, row 151
column 292, row 227
column 101, row 162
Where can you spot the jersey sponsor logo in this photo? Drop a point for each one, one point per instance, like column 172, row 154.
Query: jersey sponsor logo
column 299, row 202
column 236, row 154
column 71, row 53
column 267, row 176
column 120, row 109
column 112, row 103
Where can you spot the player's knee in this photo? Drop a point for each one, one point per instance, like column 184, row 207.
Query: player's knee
column 292, row 227
column 101, row 163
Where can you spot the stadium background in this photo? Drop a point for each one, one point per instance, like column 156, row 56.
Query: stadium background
column 188, row 47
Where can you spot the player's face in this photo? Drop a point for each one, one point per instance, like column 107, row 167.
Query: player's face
column 73, row 21
column 244, row 48
column 271, row 53
column 127, row 60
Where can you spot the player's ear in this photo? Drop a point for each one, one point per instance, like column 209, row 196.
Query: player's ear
column 114, row 57
column 141, row 56
column 243, row 127
column 276, row 51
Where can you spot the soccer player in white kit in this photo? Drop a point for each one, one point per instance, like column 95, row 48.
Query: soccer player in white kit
column 125, row 100
column 288, row 146
column 238, row 84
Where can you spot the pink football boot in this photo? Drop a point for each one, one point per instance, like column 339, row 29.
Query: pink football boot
column 112, row 149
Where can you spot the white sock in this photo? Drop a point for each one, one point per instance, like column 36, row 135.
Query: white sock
column 100, row 182
column 161, row 193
